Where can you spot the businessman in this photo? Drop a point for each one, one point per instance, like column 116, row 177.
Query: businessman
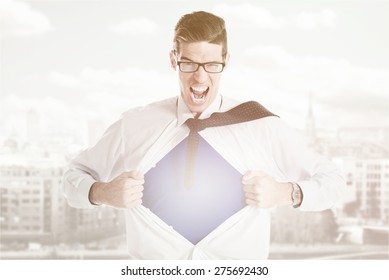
column 197, row 174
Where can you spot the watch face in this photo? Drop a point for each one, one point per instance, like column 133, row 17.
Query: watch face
column 296, row 195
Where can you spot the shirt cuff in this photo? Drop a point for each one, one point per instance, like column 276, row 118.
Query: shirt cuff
column 84, row 187
column 311, row 196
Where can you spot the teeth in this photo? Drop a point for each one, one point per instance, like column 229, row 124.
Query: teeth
column 198, row 94
column 200, row 89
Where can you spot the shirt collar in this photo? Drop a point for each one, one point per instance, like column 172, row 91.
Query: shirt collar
column 183, row 112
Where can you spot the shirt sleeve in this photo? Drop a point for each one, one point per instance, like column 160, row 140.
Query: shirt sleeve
column 320, row 180
column 102, row 162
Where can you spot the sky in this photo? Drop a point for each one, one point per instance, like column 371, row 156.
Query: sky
column 78, row 61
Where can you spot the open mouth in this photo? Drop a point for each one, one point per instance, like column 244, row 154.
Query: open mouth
column 198, row 94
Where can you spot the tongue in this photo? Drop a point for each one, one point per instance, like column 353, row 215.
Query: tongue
column 198, row 94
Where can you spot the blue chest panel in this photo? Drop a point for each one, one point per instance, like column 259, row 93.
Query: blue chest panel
column 193, row 212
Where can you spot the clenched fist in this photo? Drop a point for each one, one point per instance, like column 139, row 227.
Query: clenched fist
column 262, row 190
column 125, row 191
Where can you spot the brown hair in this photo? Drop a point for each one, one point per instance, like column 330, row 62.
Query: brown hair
column 200, row 26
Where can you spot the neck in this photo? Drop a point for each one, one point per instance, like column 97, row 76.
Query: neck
column 196, row 114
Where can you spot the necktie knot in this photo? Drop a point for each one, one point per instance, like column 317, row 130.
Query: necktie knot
column 196, row 125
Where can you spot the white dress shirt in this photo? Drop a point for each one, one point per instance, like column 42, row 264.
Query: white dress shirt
column 143, row 136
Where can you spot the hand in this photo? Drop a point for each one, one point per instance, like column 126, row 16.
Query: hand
column 261, row 190
column 125, row 191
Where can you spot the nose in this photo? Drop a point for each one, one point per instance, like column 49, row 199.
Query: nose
column 201, row 75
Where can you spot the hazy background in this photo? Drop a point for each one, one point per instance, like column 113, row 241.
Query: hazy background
column 68, row 69
column 78, row 60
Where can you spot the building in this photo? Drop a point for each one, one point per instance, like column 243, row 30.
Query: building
column 33, row 208
column 370, row 176
column 29, row 204
column 362, row 153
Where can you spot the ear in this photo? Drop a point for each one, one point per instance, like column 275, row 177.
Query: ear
column 227, row 59
column 173, row 62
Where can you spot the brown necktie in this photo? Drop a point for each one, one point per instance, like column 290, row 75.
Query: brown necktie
column 244, row 112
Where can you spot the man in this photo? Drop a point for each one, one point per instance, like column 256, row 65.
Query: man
column 206, row 196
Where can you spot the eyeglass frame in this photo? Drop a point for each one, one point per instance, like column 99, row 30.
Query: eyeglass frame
column 202, row 65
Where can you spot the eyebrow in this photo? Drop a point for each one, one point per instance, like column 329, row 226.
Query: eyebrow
column 186, row 58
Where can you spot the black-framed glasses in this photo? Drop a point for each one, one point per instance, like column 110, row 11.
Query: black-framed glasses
column 210, row 67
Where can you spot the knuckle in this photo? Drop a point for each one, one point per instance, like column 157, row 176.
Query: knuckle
column 258, row 180
column 127, row 183
column 249, row 188
column 136, row 196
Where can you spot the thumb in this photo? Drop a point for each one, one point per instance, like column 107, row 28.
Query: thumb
column 134, row 175
column 252, row 174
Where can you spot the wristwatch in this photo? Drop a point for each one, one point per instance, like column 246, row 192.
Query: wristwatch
column 296, row 195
